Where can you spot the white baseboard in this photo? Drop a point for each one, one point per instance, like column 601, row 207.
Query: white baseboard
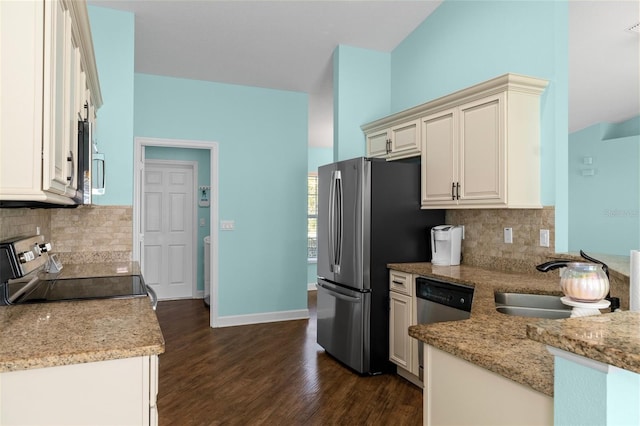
column 233, row 320
column 199, row 294
column 311, row 286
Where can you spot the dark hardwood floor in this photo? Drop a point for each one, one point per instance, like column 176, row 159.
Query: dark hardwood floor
column 271, row 374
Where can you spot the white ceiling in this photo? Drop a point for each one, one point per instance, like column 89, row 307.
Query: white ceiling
column 288, row 45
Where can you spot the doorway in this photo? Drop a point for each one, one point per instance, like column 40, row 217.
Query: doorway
column 139, row 215
column 169, row 228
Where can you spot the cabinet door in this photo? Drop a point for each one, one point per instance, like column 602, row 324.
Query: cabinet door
column 439, row 158
column 56, row 155
column 114, row 392
column 399, row 320
column 377, row 145
column 405, row 139
column 482, row 159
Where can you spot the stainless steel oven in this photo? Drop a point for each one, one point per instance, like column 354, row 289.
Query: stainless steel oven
column 23, row 258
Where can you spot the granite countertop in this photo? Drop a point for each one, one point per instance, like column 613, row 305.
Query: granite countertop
column 515, row 347
column 613, row 338
column 489, row 339
column 61, row 333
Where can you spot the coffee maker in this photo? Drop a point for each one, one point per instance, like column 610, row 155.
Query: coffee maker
column 446, row 243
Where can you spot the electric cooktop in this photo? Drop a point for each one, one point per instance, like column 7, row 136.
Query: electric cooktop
column 111, row 287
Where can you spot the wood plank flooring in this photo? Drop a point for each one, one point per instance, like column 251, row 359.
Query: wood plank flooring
column 267, row 374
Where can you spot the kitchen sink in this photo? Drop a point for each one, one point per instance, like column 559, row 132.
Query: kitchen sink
column 531, row 305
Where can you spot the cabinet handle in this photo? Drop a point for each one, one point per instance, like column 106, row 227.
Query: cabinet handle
column 453, row 188
column 388, row 145
column 457, row 190
column 72, row 163
column 397, row 282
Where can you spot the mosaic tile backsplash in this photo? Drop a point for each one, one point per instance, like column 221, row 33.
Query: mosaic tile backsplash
column 484, row 244
column 91, row 234
column 86, row 234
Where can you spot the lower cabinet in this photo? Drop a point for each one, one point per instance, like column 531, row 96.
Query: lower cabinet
column 115, row 392
column 457, row 392
column 403, row 349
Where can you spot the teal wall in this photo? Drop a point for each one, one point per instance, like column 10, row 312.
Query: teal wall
column 262, row 137
column 604, row 209
column 584, row 396
column 318, row 156
column 202, row 158
column 361, row 94
column 113, row 39
column 463, row 43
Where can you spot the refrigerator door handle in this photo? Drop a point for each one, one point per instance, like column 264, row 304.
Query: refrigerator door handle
column 340, row 215
column 335, row 221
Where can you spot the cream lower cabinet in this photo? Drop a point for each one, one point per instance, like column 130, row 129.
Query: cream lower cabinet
column 115, row 392
column 47, row 75
column 403, row 349
column 457, row 392
column 400, row 140
column 481, row 146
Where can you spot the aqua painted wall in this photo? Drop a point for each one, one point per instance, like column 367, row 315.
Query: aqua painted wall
column 465, row 42
column 202, row 158
column 262, row 137
column 584, row 396
column 361, row 93
column 318, row 156
column 604, row 208
column 113, row 39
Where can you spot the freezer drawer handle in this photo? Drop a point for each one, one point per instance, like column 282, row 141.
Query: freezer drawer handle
column 341, row 296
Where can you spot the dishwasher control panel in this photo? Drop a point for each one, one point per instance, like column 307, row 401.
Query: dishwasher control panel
column 457, row 296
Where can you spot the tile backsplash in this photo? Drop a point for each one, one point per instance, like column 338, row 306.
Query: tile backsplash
column 484, row 244
column 91, row 234
column 23, row 222
column 86, row 234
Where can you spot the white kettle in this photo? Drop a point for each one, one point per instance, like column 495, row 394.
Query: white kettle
column 446, row 245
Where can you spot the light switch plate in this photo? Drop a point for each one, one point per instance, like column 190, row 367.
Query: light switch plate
column 508, row 235
column 544, row 238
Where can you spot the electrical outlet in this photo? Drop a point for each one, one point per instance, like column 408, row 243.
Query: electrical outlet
column 508, row 235
column 544, row 238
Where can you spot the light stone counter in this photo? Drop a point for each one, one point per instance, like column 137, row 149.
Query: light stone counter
column 489, row 339
column 612, row 338
column 61, row 333
column 515, row 347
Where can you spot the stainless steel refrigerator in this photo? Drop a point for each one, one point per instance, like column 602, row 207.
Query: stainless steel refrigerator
column 368, row 215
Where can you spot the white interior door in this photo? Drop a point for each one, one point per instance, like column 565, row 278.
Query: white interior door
column 168, row 228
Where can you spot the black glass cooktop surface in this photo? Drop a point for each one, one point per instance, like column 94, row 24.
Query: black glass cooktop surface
column 111, row 287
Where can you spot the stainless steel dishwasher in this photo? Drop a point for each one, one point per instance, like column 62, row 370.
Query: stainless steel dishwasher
column 439, row 301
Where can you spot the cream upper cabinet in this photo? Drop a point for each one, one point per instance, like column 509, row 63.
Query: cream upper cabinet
column 482, row 150
column 47, row 73
column 463, row 156
column 400, row 140
column 479, row 146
